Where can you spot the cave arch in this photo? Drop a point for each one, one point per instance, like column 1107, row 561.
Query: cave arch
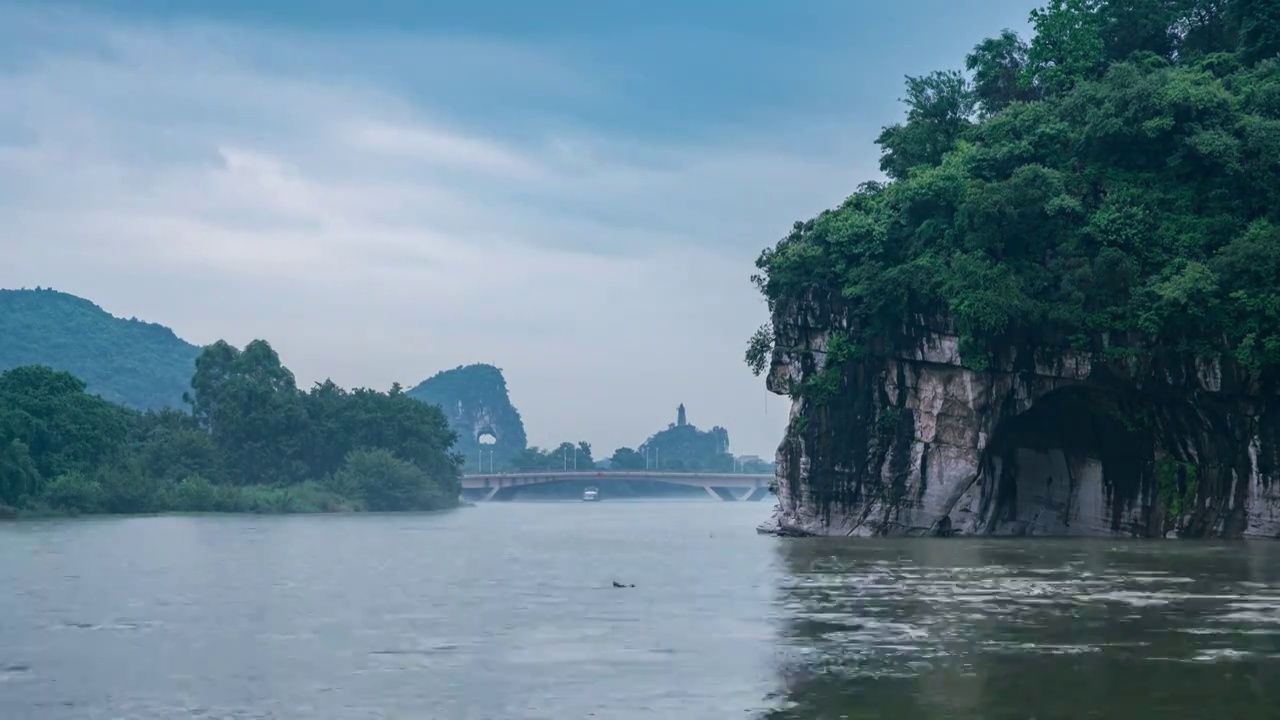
column 1076, row 462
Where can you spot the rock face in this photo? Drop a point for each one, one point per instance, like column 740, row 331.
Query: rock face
column 904, row 439
column 474, row 399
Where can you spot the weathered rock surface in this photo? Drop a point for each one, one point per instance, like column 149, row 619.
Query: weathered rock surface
column 1120, row 441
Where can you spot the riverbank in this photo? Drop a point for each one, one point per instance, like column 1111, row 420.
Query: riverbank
column 195, row 496
column 250, row 446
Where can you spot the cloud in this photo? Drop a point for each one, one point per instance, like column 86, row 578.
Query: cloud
column 378, row 226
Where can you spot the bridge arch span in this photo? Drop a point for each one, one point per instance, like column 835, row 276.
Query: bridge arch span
column 721, row 486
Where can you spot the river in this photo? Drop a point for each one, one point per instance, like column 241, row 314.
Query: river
column 507, row 611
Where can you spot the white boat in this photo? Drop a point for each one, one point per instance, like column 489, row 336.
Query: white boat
column 590, row 495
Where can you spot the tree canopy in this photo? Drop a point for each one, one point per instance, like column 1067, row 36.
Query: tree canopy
column 1116, row 177
column 253, row 442
column 134, row 363
column 565, row 456
column 684, row 448
column 681, row 447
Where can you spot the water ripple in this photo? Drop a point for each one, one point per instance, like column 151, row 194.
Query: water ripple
column 882, row 618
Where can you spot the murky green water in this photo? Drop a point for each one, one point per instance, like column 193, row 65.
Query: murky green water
column 507, row 611
column 1030, row 629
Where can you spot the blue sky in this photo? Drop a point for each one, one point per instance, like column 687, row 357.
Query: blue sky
column 573, row 190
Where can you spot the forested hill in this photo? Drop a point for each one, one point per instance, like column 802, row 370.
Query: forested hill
column 134, row 363
column 1112, row 182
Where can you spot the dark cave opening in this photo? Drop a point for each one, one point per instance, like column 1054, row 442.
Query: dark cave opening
column 1070, row 465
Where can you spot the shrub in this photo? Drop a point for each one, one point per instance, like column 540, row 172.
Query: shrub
column 196, row 494
column 382, row 482
column 73, row 492
column 125, row 490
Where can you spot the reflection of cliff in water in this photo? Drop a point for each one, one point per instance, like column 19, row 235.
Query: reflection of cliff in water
column 999, row 629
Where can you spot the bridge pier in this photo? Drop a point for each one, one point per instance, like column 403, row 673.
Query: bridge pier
column 726, row 494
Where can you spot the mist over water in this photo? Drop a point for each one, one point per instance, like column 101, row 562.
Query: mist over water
column 507, row 610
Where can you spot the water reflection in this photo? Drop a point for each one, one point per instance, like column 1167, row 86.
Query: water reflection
column 1016, row 629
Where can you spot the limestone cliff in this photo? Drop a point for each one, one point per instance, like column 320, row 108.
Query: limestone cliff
column 901, row 438
column 474, row 399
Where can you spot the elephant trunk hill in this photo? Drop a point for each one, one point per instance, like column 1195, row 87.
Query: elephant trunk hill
column 1060, row 315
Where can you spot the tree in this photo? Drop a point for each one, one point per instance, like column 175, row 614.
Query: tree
column 249, row 403
column 19, row 477
column 585, row 461
column 1068, row 46
column 565, row 455
column 939, row 106
column 1203, row 27
column 63, row 428
column 169, row 445
column 997, row 65
column 1258, row 29
column 384, row 482
column 624, row 458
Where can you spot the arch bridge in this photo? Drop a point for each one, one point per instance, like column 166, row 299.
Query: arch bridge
column 721, row 486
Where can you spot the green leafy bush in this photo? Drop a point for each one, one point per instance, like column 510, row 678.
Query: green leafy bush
column 196, row 494
column 382, row 482
column 74, row 493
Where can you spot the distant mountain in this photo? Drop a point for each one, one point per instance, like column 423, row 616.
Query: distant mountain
column 474, row 399
column 135, row 363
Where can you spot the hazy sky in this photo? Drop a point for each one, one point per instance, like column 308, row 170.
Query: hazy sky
column 573, row 190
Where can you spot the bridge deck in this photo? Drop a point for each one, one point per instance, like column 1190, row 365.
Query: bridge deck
column 703, row 478
column 716, row 484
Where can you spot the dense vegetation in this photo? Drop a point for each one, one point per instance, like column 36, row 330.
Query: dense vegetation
column 138, row 364
column 681, row 447
column 1114, row 184
column 565, row 456
column 253, row 442
column 474, row 399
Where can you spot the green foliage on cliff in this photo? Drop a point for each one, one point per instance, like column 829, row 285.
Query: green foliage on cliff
column 253, row 443
column 134, row 363
column 1176, row 483
column 474, row 399
column 1118, row 174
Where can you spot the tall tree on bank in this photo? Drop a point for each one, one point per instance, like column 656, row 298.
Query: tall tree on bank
column 250, row 404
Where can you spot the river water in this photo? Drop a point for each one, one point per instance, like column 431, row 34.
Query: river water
column 507, row 611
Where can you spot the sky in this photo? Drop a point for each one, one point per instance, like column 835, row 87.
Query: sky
column 572, row 190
